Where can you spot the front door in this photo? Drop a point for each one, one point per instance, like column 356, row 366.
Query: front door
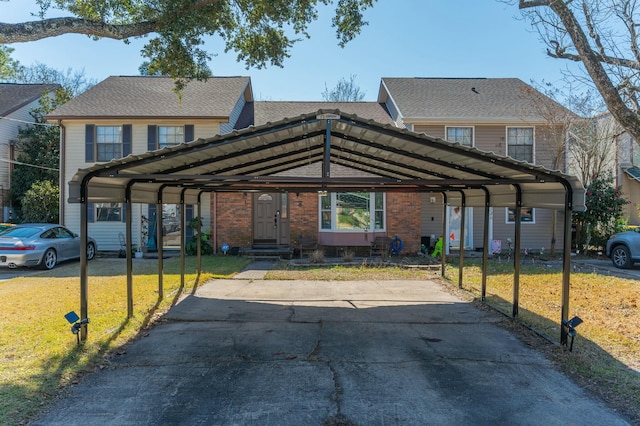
column 271, row 219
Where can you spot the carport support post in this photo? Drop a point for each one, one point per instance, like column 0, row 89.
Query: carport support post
column 159, row 245
column 566, row 264
column 199, row 244
column 461, row 251
column 128, row 220
column 84, row 234
column 485, row 238
column 183, row 235
column 516, row 252
column 443, row 263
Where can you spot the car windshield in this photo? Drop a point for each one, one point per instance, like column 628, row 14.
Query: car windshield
column 20, row 232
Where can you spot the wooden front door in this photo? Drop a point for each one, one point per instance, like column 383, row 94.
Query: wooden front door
column 271, row 219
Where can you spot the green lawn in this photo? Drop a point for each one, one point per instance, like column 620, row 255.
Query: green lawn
column 39, row 354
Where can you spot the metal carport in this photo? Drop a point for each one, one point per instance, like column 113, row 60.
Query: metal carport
column 251, row 159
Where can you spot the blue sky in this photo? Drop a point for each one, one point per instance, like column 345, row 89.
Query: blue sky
column 404, row 38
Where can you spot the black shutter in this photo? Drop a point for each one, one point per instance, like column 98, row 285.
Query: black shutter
column 89, row 143
column 188, row 132
column 152, row 137
column 126, row 139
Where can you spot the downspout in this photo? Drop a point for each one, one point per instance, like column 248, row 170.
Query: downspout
column 61, row 174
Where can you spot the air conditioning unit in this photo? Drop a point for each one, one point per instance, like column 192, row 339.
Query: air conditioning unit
column 9, row 214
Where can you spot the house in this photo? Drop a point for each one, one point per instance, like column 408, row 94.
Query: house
column 499, row 115
column 16, row 101
column 134, row 115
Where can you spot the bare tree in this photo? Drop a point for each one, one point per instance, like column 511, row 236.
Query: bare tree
column 603, row 37
column 344, row 91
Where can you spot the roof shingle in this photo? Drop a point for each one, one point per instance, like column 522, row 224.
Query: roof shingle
column 14, row 96
column 472, row 99
column 151, row 96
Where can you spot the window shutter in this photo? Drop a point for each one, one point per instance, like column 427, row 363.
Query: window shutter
column 89, row 143
column 126, row 139
column 152, row 137
column 152, row 240
column 91, row 212
column 123, row 209
column 188, row 132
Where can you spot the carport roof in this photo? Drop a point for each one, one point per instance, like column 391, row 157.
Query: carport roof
column 258, row 159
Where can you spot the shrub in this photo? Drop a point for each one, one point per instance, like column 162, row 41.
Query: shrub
column 317, row 256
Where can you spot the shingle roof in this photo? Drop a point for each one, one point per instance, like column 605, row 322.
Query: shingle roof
column 261, row 112
column 151, row 96
column 473, row 99
column 15, row 96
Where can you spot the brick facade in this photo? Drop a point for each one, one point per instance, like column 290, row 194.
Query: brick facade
column 233, row 212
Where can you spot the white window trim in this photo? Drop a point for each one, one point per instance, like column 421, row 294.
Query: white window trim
column 533, row 146
column 96, row 144
column 473, row 133
column 158, row 146
column 506, row 216
column 372, row 209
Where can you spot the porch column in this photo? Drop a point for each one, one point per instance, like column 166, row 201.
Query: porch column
column 183, row 235
column 159, row 244
column 128, row 246
column 461, row 257
column 566, row 262
column 516, row 252
column 485, row 243
column 443, row 261
column 84, row 234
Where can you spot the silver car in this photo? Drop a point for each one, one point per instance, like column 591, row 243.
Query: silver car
column 40, row 244
column 624, row 248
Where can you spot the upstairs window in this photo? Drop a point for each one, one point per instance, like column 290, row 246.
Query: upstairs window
column 520, row 143
column 352, row 211
column 462, row 135
column 170, row 136
column 108, row 142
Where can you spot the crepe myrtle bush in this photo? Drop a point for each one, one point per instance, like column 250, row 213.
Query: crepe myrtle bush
column 603, row 216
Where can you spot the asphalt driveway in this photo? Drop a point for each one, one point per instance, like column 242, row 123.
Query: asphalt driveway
column 255, row 352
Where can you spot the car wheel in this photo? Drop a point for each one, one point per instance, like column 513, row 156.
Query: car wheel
column 91, row 251
column 49, row 260
column 620, row 257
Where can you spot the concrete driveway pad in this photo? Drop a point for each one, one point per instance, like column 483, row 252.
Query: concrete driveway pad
column 255, row 352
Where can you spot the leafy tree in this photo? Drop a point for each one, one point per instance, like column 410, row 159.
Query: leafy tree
column 38, row 148
column 604, row 210
column 8, row 66
column 603, row 37
column 345, row 91
column 41, row 202
column 261, row 32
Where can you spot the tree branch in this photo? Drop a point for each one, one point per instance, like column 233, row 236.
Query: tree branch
column 526, row 4
column 37, row 30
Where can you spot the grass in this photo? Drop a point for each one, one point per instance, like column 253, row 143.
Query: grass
column 38, row 352
column 39, row 355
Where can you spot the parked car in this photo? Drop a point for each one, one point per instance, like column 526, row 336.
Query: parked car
column 624, row 248
column 4, row 226
column 40, row 244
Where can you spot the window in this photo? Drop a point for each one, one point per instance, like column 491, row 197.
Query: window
column 170, row 136
column 462, row 135
column 108, row 212
column 352, row 211
column 520, row 143
column 109, row 142
column 527, row 215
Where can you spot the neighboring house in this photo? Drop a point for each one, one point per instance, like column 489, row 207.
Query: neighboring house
column 16, row 101
column 499, row 115
column 131, row 115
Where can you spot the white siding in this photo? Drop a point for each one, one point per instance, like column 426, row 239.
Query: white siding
column 106, row 234
column 8, row 134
